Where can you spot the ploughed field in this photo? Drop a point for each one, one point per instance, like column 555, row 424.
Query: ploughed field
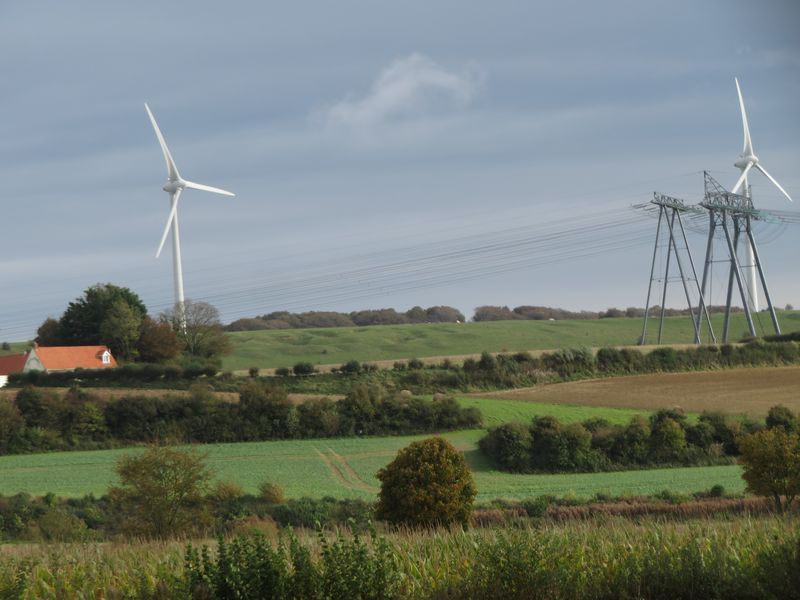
column 337, row 345
column 752, row 391
column 346, row 468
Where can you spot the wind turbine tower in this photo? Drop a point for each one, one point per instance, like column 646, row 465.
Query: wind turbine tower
column 747, row 161
column 174, row 187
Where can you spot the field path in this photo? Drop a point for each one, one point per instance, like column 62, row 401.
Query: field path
column 343, row 471
column 745, row 390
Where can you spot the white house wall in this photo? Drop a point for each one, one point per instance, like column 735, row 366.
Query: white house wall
column 33, row 363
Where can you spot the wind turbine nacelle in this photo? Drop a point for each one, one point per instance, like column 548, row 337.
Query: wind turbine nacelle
column 746, row 160
column 172, row 186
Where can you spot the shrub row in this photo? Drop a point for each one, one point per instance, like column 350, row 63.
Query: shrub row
column 129, row 374
column 226, row 509
column 40, row 420
column 666, row 438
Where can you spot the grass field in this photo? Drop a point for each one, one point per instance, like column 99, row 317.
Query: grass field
column 496, row 411
column 284, row 348
column 346, row 468
column 752, row 391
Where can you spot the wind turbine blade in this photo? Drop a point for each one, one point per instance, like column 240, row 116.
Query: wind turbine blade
column 207, row 188
column 170, row 220
column 775, row 183
column 171, row 168
column 742, row 177
column 747, row 148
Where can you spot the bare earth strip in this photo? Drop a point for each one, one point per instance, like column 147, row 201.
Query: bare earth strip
column 343, row 472
column 752, row 391
column 355, row 479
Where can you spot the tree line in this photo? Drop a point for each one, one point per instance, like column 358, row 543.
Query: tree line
column 42, row 420
column 666, row 438
column 360, row 318
column 438, row 314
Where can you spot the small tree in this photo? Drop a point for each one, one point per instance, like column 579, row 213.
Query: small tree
column 157, row 341
column 203, row 335
column 428, row 483
column 781, row 416
column 162, row 492
column 771, row 463
column 120, row 329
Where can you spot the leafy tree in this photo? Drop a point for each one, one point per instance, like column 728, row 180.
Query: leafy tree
column 417, row 314
column 428, row 483
column 162, row 492
column 82, row 321
column 509, row 445
column 120, row 329
column 157, row 341
column 11, row 424
column 49, row 333
column 304, row 368
column 444, row 314
column 6, row 347
column 771, row 465
column 667, row 441
column 199, row 329
column 781, row 416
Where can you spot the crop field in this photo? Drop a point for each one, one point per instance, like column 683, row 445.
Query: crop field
column 752, row 391
column 344, row 468
column 284, row 348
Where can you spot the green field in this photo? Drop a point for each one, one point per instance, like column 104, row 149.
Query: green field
column 284, row 348
column 496, row 412
column 345, row 468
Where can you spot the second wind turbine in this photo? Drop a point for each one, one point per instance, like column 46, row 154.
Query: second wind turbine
column 174, row 187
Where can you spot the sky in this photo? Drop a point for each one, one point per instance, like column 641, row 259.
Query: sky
column 382, row 154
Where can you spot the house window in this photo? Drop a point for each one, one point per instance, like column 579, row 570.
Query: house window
column 106, row 357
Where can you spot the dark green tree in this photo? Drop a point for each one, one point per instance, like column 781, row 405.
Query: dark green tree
column 83, row 319
column 49, row 333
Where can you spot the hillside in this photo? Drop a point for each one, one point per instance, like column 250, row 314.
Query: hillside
column 284, row 348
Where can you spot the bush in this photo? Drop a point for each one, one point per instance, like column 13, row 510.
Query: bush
column 161, row 492
column 509, row 445
column 271, row 492
column 427, row 484
column 304, row 368
column 781, row 416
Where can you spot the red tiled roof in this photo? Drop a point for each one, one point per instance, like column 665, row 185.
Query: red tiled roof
column 12, row 363
column 59, row 358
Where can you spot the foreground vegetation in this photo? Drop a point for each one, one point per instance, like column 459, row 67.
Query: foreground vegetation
column 747, row 558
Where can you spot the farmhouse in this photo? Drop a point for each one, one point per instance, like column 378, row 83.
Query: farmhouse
column 68, row 358
column 13, row 363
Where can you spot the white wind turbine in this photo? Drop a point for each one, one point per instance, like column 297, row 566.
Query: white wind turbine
column 174, row 187
column 747, row 161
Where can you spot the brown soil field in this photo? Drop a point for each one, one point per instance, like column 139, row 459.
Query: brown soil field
column 751, row 391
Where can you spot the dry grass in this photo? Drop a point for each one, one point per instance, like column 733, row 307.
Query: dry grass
column 751, row 391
